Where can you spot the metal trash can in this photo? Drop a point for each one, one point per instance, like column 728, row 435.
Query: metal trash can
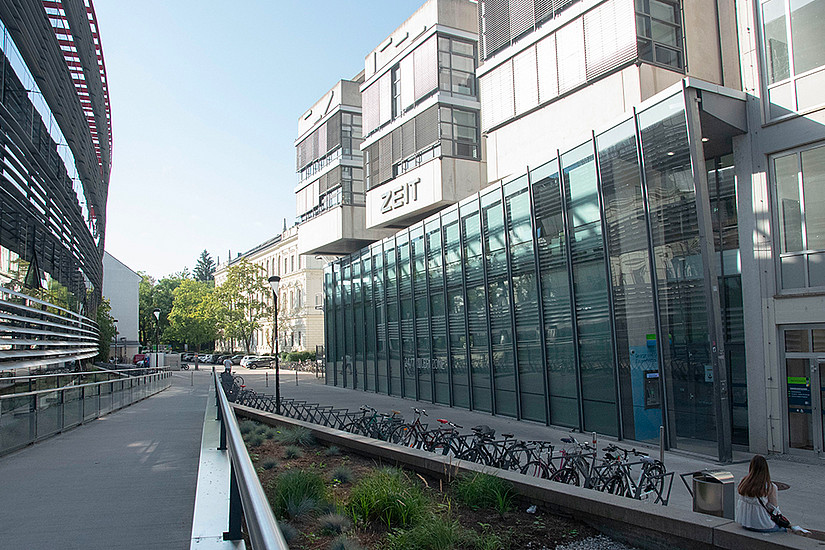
column 713, row 493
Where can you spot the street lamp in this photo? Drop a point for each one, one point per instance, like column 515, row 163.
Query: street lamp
column 273, row 283
column 156, row 313
column 114, row 322
column 123, row 343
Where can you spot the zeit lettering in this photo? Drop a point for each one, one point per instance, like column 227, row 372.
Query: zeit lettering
column 401, row 195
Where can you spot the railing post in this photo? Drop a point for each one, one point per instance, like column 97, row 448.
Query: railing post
column 235, row 507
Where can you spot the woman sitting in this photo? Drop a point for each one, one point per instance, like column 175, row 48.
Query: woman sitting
column 757, row 495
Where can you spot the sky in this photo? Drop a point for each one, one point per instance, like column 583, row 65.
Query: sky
column 205, row 99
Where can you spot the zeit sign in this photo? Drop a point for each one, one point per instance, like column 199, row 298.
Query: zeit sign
column 400, row 196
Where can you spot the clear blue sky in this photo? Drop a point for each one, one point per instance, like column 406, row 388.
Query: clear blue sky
column 205, row 99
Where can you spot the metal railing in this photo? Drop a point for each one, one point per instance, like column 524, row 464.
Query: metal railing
column 247, row 499
column 37, row 333
column 36, row 382
column 31, row 416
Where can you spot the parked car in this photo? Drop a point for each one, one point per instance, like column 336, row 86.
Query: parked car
column 246, row 359
column 206, row 358
column 138, row 358
column 219, row 359
column 262, row 361
column 236, row 359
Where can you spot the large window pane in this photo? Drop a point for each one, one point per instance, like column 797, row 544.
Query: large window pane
column 636, row 338
column 679, row 273
column 790, row 207
column 813, row 181
column 807, row 22
column 776, row 40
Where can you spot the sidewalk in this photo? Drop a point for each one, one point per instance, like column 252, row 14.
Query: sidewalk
column 802, row 502
column 126, row 480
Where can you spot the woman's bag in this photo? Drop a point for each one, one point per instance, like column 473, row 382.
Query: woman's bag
column 776, row 515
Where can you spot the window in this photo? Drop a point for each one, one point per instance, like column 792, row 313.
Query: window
column 800, row 192
column 459, row 133
column 659, row 32
column 456, row 66
column 395, row 79
column 292, row 263
column 794, row 54
column 351, row 135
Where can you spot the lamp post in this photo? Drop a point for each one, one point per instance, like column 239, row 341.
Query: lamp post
column 114, row 322
column 122, row 343
column 156, row 313
column 273, row 283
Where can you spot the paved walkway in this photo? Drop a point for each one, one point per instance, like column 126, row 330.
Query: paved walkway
column 126, row 480
column 802, row 503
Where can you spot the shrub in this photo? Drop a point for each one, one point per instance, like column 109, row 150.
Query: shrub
column 344, row 543
column 294, row 491
column 434, row 534
column 291, row 451
column 332, row 450
column 246, row 426
column 255, row 440
column 479, row 490
column 342, row 474
column 287, row 530
column 389, row 496
column 295, row 436
column 270, row 433
column 334, row 524
column 269, row 464
column 299, row 508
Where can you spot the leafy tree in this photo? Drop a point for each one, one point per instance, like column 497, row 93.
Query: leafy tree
column 192, row 318
column 205, row 268
column 156, row 294
column 106, row 323
column 242, row 302
column 146, row 321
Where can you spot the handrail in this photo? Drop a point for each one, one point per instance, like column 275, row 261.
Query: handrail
column 64, row 388
column 58, row 374
column 264, row 533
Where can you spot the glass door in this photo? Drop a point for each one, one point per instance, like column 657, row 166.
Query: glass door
column 804, row 364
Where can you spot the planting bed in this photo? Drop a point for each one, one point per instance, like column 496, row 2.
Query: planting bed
column 329, row 498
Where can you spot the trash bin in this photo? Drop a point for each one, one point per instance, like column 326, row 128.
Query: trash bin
column 713, row 493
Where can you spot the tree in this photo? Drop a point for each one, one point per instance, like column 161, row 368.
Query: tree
column 192, row 318
column 242, row 302
column 205, row 268
column 106, row 323
column 156, row 294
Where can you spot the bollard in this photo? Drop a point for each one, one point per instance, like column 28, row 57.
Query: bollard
column 192, row 383
column 662, row 444
column 267, row 379
column 296, row 376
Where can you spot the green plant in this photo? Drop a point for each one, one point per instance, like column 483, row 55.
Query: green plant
column 270, row 433
column 332, row 450
column 255, row 440
column 342, row 474
column 287, row 530
column 299, row 508
column 436, row 533
column 344, row 543
column 294, row 490
column 480, row 490
column 389, row 496
column 291, row 451
column 246, row 426
column 334, row 524
column 295, row 436
column 269, row 464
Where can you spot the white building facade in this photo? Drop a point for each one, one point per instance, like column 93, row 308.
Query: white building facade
column 300, row 322
column 120, row 287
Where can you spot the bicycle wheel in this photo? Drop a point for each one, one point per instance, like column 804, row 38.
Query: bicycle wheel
column 616, row 485
column 535, row 468
column 568, row 476
column 238, row 379
column 653, row 479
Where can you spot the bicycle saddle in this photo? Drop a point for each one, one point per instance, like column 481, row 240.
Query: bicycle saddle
column 484, row 429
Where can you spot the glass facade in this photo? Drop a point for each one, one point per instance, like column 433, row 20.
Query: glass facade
column 572, row 295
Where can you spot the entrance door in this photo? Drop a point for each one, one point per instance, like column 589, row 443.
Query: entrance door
column 805, row 383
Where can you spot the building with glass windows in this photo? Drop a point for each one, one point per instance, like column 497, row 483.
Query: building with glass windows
column 55, row 129
column 330, row 195
column 647, row 255
column 422, row 145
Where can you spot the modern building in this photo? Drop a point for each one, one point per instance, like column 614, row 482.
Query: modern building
column 422, row 146
column 55, row 157
column 330, row 196
column 120, row 287
column 300, row 322
column 621, row 274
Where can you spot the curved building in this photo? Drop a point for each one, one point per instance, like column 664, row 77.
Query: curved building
column 55, row 159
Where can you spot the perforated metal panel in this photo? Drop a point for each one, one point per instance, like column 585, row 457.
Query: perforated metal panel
column 522, row 17
column 407, row 81
column 547, row 70
column 372, row 157
column 525, row 80
column 384, row 159
column 496, row 26
column 426, row 68
column 396, row 145
column 408, row 139
column 385, row 98
column 370, row 108
column 334, row 131
column 426, row 128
